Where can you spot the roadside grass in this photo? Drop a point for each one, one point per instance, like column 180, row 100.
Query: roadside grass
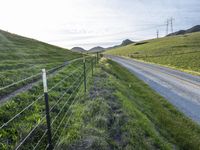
column 122, row 112
column 171, row 124
column 180, row 52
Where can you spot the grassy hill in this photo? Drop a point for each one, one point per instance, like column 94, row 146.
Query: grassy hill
column 181, row 52
column 22, row 57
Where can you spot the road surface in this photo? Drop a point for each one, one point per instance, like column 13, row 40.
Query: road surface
column 179, row 88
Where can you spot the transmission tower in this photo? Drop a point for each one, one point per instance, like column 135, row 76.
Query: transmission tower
column 171, row 21
column 167, row 26
column 157, row 33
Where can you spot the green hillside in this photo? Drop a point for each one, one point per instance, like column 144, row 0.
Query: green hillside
column 22, row 57
column 181, row 52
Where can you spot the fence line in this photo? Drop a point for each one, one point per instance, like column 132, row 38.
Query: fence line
column 62, row 107
column 40, row 140
column 31, row 104
column 27, row 107
column 64, row 94
column 68, row 118
column 22, row 142
column 76, row 84
column 37, row 126
column 33, row 76
column 66, row 121
column 63, row 80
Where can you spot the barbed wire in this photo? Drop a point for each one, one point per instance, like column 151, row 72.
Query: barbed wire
column 33, row 76
column 59, row 99
column 61, row 122
column 62, row 107
column 40, row 140
column 22, row 142
column 64, row 79
column 27, row 107
column 66, row 122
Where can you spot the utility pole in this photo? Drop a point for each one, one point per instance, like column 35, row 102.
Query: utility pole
column 171, row 21
column 157, row 34
column 167, row 26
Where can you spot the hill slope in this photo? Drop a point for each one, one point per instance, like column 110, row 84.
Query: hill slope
column 191, row 30
column 78, row 49
column 181, row 52
column 22, row 57
column 96, row 49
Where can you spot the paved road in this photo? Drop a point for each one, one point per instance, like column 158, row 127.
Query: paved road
column 179, row 88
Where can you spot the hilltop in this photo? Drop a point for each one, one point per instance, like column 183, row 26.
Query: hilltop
column 96, row 49
column 78, row 49
column 191, row 30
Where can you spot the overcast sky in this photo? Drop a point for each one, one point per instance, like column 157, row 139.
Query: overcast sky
column 89, row 23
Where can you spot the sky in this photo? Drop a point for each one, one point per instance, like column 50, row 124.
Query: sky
column 90, row 23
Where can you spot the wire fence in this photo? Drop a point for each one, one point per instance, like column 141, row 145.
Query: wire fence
column 7, row 89
column 46, row 132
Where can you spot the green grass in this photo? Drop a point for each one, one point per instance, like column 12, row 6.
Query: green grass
column 122, row 112
column 181, row 52
column 22, row 57
column 18, row 129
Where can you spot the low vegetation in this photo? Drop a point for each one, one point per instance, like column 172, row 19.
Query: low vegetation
column 181, row 52
column 18, row 128
column 122, row 112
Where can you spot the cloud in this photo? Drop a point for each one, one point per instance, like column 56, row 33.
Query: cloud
column 78, row 22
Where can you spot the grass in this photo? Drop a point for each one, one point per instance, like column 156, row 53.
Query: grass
column 22, row 57
column 122, row 112
column 18, row 129
column 180, row 52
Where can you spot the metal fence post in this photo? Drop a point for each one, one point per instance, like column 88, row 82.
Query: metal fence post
column 50, row 146
column 97, row 57
column 84, row 72
column 92, row 68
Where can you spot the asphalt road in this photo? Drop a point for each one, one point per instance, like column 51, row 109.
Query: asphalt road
column 179, row 88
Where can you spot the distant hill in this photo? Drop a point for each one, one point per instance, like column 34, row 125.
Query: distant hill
column 96, row 49
column 126, row 42
column 78, row 49
column 191, row 30
column 101, row 49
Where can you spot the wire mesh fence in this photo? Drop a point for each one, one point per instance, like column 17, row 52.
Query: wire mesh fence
column 32, row 125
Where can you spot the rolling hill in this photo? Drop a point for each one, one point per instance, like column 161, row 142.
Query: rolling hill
column 78, row 49
column 96, row 49
column 180, row 51
column 191, row 30
column 22, row 57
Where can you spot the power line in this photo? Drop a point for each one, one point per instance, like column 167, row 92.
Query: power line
column 157, row 34
column 171, row 20
column 167, row 26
